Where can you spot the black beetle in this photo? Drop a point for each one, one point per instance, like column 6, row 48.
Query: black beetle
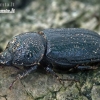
column 66, row 48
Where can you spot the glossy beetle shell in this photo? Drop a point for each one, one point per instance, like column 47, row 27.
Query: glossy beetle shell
column 72, row 46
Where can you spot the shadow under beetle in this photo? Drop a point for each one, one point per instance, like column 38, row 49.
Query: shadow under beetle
column 64, row 49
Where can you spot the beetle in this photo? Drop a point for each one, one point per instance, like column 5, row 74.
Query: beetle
column 64, row 49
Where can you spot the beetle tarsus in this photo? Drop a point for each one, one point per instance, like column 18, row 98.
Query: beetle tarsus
column 86, row 67
column 10, row 87
column 69, row 80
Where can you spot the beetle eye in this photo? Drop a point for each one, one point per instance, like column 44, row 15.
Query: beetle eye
column 29, row 55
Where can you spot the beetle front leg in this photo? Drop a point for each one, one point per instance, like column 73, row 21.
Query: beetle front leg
column 50, row 70
column 20, row 76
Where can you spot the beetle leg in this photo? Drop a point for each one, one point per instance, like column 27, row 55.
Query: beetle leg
column 48, row 69
column 86, row 67
column 20, row 76
column 17, row 68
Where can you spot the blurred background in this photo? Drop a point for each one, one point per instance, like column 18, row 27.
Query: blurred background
column 36, row 15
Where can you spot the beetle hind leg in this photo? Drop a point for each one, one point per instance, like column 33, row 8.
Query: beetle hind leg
column 83, row 67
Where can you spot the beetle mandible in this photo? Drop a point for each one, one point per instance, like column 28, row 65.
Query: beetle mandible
column 67, row 48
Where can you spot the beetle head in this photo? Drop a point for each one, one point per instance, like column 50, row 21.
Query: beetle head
column 23, row 50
